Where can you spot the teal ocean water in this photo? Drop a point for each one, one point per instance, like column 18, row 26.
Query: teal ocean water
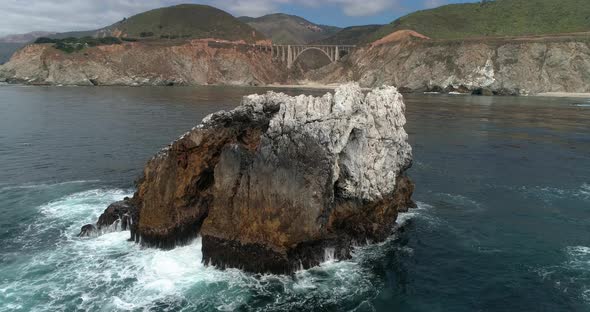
column 503, row 223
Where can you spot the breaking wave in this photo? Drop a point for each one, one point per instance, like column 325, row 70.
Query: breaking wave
column 572, row 276
column 110, row 273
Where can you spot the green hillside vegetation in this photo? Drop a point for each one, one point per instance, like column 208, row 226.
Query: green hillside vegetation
column 351, row 35
column 495, row 18
column 289, row 29
column 70, row 45
column 185, row 21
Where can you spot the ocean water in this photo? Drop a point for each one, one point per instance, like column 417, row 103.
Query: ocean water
column 503, row 223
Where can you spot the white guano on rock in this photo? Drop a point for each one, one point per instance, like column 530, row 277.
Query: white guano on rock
column 365, row 134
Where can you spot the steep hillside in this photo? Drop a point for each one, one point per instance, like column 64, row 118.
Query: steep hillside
column 351, row 35
column 496, row 18
column 185, row 21
column 144, row 63
column 289, row 29
column 75, row 34
column 177, row 22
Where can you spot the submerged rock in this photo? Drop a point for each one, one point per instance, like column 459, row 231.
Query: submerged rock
column 281, row 183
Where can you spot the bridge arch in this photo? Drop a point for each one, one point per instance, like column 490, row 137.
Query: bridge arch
column 329, row 55
column 290, row 53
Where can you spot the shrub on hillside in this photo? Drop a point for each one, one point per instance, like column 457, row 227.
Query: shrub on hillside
column 44, row 40
column 72, row 44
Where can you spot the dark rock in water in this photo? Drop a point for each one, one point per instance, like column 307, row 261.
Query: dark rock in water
column 435, row 88
column 279, row 183
column 403, row 194
column 508, row 92
column 459, row 89
column 87, row 230
column 118, row 214
column 405, row 90
column 117, row 217
column 483, row 91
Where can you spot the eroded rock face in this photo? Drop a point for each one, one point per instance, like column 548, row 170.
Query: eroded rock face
column 502, row 67
column 192, row 62
column 274, row 184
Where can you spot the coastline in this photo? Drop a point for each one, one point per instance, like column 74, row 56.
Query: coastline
column 564, row 94
column 333, row 86
column 304, row 86
column 311, row 86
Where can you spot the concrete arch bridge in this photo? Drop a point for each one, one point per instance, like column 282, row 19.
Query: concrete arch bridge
column 290, row 53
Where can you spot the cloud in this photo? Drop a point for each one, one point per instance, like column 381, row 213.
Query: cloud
column 366, row 7
column 261, row 7
column 429, row 4
column 19, row 16
column 66, row 15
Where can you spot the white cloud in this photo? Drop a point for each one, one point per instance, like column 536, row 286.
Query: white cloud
column 366, row 7
column 353, row 7
column 429, row 4
column 19, row 16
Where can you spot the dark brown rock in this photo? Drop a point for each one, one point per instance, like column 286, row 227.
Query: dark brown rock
column 87, row 230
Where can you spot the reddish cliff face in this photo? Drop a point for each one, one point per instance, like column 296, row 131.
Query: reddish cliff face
column 196, row 62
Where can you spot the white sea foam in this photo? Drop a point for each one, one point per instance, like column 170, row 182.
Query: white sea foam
column 404, row 217
column 579, row 257
column 110, row 273
column 550, row 194
column 571, row 277
column 464, row 203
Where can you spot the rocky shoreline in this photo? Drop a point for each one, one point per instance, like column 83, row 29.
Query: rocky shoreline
column 492, row 67
column 275, row 184
column 511, row 66
column 184, row 63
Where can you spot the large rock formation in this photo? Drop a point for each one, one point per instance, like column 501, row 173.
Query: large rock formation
column 500, row 66
column 275, row 183
column 189, row 62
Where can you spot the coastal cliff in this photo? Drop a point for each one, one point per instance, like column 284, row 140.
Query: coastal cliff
column 500, row 66
column 490, row 66
column 275, row 184
column 191, row 62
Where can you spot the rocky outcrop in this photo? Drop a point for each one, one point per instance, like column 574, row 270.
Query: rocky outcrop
column 492, row 66
column 194, row 62
column 275, row 184
column 117, row 217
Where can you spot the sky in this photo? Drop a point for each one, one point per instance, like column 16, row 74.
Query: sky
column 21, row 16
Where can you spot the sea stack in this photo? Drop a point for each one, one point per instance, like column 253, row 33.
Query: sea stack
column 278, row 182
